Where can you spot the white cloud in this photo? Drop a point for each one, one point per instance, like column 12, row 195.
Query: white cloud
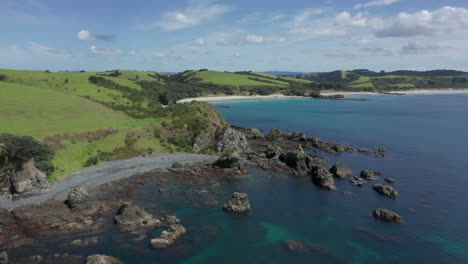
column 306, row 24
column 196, row 13
column 376, row 3
column 95, row 50
column 346, row 19
column 199, row 42
column 85, row 35
column 255, row 39
column 426, row 23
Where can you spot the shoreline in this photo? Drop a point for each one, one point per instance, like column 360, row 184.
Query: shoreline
column 101, row 174
column 214, row 99
column 225, row 98
column 403, row 92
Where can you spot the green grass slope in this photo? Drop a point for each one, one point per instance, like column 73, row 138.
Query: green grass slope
column 235, row 79
column 77, row 128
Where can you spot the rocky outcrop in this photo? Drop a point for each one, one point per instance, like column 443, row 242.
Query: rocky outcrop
column 387, row 215
column 357, row 181
column 168, row 236
column 390, row 180
column 297, row 136
column 132, row 218
column 322, row 177
column 302, row 163
column 28, row 179
column 3, row 257
column 76, row 196
column 238, row 203
column 368, row 175
column 273, row 151
column 232, row 140
column 228, row 162
column 102, row 259
column 253, row 133
column 276, row 134
column 329, row 147
column 386, row 190
column 340, row 171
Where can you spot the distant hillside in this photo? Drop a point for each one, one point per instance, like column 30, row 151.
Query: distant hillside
column 365, row 80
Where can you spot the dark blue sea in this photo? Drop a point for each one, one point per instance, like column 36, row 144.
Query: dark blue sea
column 427, row 139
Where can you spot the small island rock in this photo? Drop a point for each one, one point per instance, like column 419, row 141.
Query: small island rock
column 238, row 203
column 390, row 180
column 386, row 190
column 367, row 174
column 387, row 215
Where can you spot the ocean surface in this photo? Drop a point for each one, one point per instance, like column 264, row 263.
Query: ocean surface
column 427, row 139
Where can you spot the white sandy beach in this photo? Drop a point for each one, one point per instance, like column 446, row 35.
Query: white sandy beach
column 213, row 99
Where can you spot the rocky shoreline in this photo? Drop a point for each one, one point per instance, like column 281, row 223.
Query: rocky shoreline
column 87, row 208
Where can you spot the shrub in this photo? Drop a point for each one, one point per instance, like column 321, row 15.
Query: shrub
column 20, row 149
column 3, row 77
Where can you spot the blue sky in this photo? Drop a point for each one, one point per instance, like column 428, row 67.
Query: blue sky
column 261, row 35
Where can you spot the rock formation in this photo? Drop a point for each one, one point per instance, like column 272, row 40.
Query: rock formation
column 340, row 171
column 232, row 140
column 102, row 259
column 387, row 215
column 368, row 175
column 28, row 179
column 76, row 196
column 386, row 190
column 131, row 218
column 322, row 177
column 238, row 203
column 169, row 236
column 357, row 181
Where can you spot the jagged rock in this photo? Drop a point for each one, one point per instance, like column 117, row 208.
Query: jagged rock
column 297, row 136
column 322, row 177
column 233, row 140
column 276, row 134
column 386, row 190
column 387, row 215
column 177, row 164
column 169, row 236
column 238, row 203
column 300, row 162
column 273, row 151
column 3, row 257
column 329, row 147
column 367, row 174
column 85, row 242
column 265, row 163
column 190, row 168
column 357, row 181
column 253, row 133
column 365, row 151
column 340, row 170
column 76, row 196
column 29, row 179
column 390, row 180
column 170, row 220
column 131, row 217
column 102, row 259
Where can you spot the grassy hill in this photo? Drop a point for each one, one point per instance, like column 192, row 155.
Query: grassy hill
column 119, row 115
column 365, row 80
